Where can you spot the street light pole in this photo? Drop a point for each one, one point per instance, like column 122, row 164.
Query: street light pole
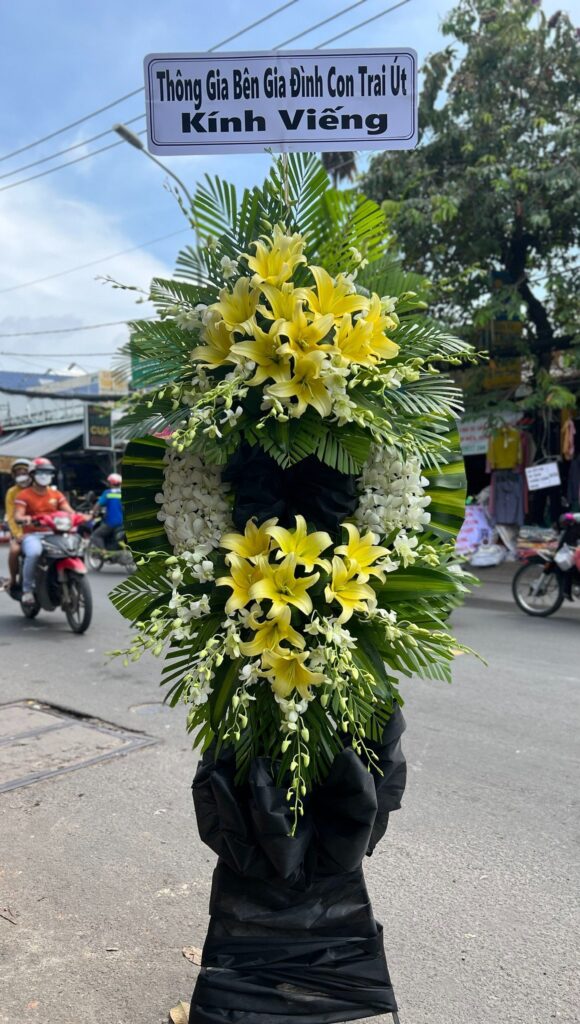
column 128, row 136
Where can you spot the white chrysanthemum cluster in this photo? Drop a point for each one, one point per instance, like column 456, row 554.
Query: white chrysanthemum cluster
column 392, row 493
column 194, row 508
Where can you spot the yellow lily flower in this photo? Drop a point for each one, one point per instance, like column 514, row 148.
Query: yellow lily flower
column 346, row 588
column 253, row 542
column 282, row 300
column 275, row 258
column 333, row 297
column 268, row 352
column 361, row 554
column 243, row 577
column 304, row 337
column 305, row 547
column 218, row 343
column 381, row 346
column 306, row 386
column 287, row 672
column 238, row 308
column 354, row 342
column 269, row 634
column 278, row 584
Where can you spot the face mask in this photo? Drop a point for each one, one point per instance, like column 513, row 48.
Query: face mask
column 22, row 481
column 43, row 479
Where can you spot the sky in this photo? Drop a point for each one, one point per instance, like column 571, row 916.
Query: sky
column 61, row 61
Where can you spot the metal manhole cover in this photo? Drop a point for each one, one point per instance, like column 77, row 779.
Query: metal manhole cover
column 39, row 741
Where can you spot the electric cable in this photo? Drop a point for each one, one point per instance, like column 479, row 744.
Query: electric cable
column 65, row 330
column 212, row 49
column 92, row 263
column 69, row 163
column 319, row 24
column 362, row 23
column 135, row 92
column 69, row 149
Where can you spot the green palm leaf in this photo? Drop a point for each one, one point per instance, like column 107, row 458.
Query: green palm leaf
column 142, row 480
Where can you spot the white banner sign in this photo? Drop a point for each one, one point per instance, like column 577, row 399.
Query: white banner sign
column 547, row 474
column 292, row 101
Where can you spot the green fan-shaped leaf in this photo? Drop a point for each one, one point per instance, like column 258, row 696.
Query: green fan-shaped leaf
column 136, row 597
column 418, row 580
column 142, row 480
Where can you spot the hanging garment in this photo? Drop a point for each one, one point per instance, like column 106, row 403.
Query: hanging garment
column 292, row 937
column 508, row 497
column 505, row 449
column 567, row 435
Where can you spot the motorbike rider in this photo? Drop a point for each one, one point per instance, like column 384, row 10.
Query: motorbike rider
column 37, row 500
column 21, row 479
column 110, row 506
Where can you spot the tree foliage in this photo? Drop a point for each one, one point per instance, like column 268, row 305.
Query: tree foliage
column 495, row 182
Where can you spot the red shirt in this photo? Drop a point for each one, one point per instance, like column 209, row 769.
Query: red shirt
column 36, row 504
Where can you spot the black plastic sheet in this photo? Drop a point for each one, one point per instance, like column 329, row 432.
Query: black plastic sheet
column 292, row 937
column 310, row 488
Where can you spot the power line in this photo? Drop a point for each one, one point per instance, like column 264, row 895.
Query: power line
column 73, row 124
column 35, row 356
column 135, row 92
column 64, row 330
column 212, row 49
column 92, row 263
column 69, row 149
column 362, row 23
column 68, row 163
column 321, row 23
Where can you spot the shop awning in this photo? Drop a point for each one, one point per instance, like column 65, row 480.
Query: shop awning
column 31, row 443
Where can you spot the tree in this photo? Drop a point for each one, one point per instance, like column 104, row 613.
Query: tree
column 494, row 185
column 340, row 166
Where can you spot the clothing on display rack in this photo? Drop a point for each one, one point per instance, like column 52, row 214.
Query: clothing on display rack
column 509, row 451
column 505, row 448
column 508, row 496
column 567, row 435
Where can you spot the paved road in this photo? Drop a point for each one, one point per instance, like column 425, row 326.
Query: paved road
column 476, row 881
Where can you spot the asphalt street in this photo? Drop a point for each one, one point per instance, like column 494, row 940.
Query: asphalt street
column 477, row 881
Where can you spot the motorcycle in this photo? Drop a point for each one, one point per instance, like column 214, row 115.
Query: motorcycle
column 547, row 577
column 60, row 578
column 115, row 552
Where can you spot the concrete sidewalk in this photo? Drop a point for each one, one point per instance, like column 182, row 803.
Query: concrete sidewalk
column 104, row 878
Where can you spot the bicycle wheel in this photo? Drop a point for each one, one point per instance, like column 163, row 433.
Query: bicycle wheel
column 80, row 610
column 537, row 592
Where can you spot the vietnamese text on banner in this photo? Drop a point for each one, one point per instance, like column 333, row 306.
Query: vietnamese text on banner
column 290, row 101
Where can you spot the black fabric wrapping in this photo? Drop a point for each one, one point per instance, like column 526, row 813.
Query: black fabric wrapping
column 263, row 490
column 292, row 937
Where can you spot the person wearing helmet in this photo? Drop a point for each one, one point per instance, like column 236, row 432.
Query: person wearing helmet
column 37, row 500
column 21, row 479
column 110, row 506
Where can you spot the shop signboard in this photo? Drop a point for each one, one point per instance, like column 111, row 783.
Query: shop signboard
column 289, row 101
column 98, row 427
column 474, row 436
column 546, row 474
column 502, row 374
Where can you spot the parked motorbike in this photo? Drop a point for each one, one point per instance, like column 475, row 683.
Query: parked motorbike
column 60, row 580
column 115, row 551
column 547, row 577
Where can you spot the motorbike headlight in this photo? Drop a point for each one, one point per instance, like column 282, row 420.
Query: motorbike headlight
column 62, row 523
